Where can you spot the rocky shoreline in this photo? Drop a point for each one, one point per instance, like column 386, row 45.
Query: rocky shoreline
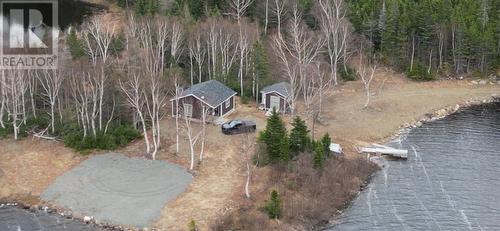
column 442, row 113
column 68, row 214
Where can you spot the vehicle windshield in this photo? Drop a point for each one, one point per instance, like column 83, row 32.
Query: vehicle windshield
column 234, row 123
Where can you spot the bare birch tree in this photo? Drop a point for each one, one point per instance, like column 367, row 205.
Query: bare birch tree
column 366, row 71
column 197, row 50
column 153, row 37
column 221, row 46
column 297, row 52
column 16, row 87
column 32, row 88
column 281, row 51
column 135, row 98
column 279, row 11
column 266, row 20
column 204, row 115
column 334, row 26
column 177, row 95
column 51, row 82
column 239, row 8
column 176, row 39
column 192, row 138
column 3, row 99
column 81, row 97
column 246, row 145
column 315, row 89
column 98, row 34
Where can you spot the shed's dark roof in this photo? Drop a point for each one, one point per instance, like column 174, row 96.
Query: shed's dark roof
column 212, row 92
column 282, row 88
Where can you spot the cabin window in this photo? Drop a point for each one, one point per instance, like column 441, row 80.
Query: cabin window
column 188, row 110
column 227, row 103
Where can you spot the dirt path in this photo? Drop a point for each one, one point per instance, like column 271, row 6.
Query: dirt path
column 217, row 177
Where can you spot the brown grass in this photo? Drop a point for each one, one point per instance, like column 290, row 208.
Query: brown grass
column 31, row 165
column 310, row 197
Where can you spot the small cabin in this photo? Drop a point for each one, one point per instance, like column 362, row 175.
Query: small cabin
column 276, row 96
column 213, row 97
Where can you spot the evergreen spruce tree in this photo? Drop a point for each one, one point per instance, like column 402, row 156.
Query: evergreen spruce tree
column 74, row 44
column 284, row 149
column 140, row 7
column 151, row 7
column 177, row 7
column 273, row 137
column 319, row 155
column 273, row 206
column 299, row 138
column 122, row 3
column 197, row 8
column 260, row 63
column 326, row 141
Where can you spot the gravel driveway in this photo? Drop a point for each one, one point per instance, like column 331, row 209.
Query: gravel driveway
column 119, row 190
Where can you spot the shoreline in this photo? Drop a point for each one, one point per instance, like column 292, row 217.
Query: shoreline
column 62, row 213
column 407, row 127
column 440, row 114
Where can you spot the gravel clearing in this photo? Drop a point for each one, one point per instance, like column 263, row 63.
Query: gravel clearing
column 119, row 190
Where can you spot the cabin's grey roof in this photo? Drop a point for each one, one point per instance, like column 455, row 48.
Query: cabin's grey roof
column 282, row 88
column 212, row 92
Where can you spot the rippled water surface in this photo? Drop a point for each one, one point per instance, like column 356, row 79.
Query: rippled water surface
column 16, row 219
column 449, row 182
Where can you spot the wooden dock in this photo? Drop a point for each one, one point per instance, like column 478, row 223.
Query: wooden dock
column 385, row 150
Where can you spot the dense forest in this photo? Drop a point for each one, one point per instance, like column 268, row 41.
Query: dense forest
column 447, row 36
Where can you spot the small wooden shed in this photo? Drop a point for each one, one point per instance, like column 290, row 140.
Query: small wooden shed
column 213, row 96
column 276, row 96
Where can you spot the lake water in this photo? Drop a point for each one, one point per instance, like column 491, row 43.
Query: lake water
column 16, row 219
column 449, row 182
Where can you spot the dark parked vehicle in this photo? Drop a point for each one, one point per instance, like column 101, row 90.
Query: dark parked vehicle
column 238, row 126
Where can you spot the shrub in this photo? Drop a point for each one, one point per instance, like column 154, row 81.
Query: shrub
column 192, row 225
column 113, row 139
column 419, row 72
column 348, row 74
column 245, row 99
column 32, row 123
column 4, row 132
column 273, row 206
column 36, row 124
column 124, row 134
